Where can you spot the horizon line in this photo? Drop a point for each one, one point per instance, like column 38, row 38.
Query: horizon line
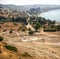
column 28, row 4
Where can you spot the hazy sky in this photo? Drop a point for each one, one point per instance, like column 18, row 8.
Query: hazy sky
column 29, row 2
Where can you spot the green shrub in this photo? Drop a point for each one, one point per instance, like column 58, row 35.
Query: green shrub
column 1, row 38
column 14, row 23
column 11, row 31
column 30, row 32
column 1, row 22
column 50, row 29
column 0, row 26
column 58, row 27
column 11, row 48
column 4, row 30
column 23, row 28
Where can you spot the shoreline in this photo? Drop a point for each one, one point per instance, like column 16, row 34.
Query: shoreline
column 57, row 20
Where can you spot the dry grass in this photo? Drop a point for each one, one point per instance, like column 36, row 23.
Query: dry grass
column 36, row 48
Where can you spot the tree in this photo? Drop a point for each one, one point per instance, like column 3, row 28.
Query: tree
column 22, row 20
column 37, row 26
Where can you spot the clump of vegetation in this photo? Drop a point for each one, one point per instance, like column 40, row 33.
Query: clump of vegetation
column 0, row 51
column 10, row 55
column 11, row 48
column 4, row 30
column 23, row 27
column 58, row 27
column 13, row 20
column 20, row 58
column 0, row 26
column 49, row 29
column 1, row 38
column 1, row 22
column 14, row 23
column 11, row 31
column 30, row 32
column 26, row 54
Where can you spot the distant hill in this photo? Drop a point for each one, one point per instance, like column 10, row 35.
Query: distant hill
column 28, row 7
column 14, row 7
